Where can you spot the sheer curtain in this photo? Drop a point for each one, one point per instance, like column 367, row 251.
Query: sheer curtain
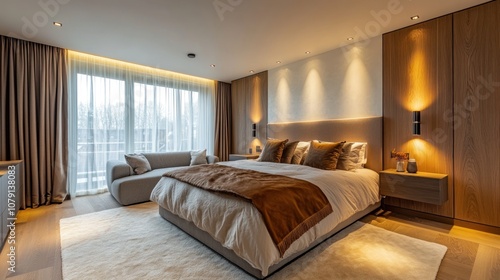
column 118, row 108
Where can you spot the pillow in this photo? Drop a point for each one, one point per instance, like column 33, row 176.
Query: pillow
column 273, row 150
column 139, row 163
column 300, row 152
column 323, row 155
column 353, row 156
column 288, row 152
column 198, row 157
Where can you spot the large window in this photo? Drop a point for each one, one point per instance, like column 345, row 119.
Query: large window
column 118, row 108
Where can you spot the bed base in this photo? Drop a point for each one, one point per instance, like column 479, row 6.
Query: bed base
column 205, row 238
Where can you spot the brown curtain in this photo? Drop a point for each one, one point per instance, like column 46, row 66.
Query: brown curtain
column 222, row 120
column 33, row 118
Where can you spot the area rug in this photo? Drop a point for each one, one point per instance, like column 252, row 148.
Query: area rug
column 136, row 243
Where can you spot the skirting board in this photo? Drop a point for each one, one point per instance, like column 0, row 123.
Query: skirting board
column 206, row 239
column 441, row 219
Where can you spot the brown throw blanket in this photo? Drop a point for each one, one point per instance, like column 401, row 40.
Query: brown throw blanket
column 289, row 206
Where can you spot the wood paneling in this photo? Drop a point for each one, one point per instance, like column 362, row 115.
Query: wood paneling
column 477, row 114
column 249, row 105
column 418, row 76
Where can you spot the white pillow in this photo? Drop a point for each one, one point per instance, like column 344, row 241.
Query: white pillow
column 300, row 152
column 353, row 156
column 198, row 157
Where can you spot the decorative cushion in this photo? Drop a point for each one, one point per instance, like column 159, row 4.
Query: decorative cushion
column 273, row 150
column 288, row 152
column 198, row 157
column 138, row 162
column 324, row 155
column 353, row 156
column 299, row 154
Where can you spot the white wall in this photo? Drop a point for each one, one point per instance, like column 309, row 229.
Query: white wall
column 342, row 83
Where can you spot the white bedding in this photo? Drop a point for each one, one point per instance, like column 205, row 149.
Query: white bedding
column 237, row 225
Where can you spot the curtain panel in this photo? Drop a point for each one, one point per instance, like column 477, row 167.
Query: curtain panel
column 118, row 108
column 223, row 120
column 33, row 118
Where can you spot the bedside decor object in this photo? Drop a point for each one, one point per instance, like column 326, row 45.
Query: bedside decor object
column 400, row 159
column 411, row 167
column 416, row 122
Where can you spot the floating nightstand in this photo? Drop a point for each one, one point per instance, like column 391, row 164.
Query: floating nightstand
column 422, row 186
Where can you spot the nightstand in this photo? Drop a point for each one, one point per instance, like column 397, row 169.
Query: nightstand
column 422, row 186
column 233, row 157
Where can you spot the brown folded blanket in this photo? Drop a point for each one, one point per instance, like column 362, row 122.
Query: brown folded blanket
column 289, row 206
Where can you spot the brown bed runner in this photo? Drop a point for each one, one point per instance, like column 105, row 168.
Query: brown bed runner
column 289, row 206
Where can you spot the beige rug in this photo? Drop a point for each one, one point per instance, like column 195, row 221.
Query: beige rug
column 136, row 243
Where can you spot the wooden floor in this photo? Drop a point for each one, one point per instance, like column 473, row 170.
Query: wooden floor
column 471, row 254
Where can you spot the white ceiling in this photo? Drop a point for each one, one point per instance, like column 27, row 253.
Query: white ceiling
column 237, row 36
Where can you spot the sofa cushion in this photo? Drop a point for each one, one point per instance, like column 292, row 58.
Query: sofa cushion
column 138, row 162
column 198, row 157
column 168, row 159
column 136, row 188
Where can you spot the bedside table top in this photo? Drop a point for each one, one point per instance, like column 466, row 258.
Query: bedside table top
column 418, row 174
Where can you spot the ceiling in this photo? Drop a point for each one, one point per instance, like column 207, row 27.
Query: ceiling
column 235, row 35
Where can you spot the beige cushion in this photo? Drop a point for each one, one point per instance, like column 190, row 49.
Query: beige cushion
column 353, row 156
column 299, row 154
column 273, row 150
column 198, row 157
column 323, row 155
column 288, row 152
column 138, row 162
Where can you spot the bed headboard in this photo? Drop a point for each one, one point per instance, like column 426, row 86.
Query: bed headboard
column 356, row 130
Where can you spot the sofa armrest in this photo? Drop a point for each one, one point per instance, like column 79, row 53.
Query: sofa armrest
column 212, row 159
column 116, row 169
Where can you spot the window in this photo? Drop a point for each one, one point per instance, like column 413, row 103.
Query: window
column 118, row 108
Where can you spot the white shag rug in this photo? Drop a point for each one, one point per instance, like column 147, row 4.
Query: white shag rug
column 135, row 242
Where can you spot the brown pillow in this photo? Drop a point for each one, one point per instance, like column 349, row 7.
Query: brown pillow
column 324, row 155
column 273, row 150
column 288, row 152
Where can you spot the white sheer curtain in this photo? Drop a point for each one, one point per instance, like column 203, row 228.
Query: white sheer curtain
column 117, row 108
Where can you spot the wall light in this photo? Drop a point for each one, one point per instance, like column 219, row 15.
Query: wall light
column 254, row 130
column 416, row 122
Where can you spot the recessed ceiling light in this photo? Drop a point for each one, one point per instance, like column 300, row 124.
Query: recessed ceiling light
column 350, row 38
column 278, row 62
column 308, row 52
column 251, row 71
column 415, row 17
column 191, row 55
column 212, row 65
column 58, row 24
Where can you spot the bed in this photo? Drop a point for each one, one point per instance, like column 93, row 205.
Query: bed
column 234, row 228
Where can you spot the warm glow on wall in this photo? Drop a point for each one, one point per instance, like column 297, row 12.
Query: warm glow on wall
column 256, row 113
column 351, row 86
column 420, row 149
column 314, row 92
column 420, row 94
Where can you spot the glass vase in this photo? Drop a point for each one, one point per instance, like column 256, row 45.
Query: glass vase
column 400, row 166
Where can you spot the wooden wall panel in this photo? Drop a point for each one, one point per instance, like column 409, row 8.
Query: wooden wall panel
column 249, row 105
column 477, row 114
column 417, row 75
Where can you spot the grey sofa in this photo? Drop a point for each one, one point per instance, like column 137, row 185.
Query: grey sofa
column 128, row 188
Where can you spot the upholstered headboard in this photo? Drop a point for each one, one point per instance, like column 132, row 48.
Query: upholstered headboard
column 359, row 130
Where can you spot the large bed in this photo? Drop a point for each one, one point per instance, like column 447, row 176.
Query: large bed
column 235, row 229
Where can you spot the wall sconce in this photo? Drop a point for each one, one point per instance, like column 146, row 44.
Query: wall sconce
column 416, row 122
column 254, row 130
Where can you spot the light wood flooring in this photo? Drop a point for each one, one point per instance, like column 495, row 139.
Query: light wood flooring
column 471, row 254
